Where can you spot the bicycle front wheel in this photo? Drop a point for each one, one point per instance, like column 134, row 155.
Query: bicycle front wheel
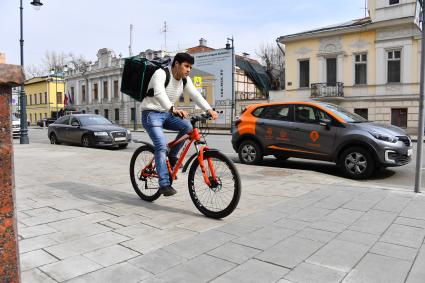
column 220, row 198
column 143, row 173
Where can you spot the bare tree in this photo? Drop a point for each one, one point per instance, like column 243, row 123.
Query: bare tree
column 78, row 62
column 54, row 60
column 32, row 71
column 273, row 58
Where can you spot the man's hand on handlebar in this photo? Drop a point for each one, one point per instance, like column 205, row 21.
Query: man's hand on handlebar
column 213, row 114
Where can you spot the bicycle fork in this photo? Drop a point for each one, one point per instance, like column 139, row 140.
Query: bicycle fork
column 207, row 179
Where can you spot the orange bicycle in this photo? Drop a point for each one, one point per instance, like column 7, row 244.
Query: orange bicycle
column 213, row 180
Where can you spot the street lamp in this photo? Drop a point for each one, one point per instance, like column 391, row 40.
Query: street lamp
column 418, row 177
column 54, row 71
column 233, row 81
column 24, row 129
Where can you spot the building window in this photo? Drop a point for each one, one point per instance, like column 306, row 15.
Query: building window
column 393, row 2
column 117, row 114
column 393, row 66
column 331, row 71
column 31, row 117
column 45, row 115
column 399, row 117
column 35, row 99
column 116, row 89
column 83, row 93
column 96, row 111
column 360, row 69
column 40, row 95
column 72, row 95
column 105, row 89
column 95, row 94
column 305, row 73
column 132, row 114
column 106, row 113
column 45, row 98
column 362, row 112
column 30, row 99
column 59, row 97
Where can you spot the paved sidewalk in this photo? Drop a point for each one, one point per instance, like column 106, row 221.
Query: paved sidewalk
column 80, row 221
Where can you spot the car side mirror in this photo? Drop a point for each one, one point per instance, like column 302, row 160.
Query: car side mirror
column 325, row 122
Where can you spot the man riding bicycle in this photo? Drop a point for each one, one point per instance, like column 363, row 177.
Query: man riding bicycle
column 159, row 113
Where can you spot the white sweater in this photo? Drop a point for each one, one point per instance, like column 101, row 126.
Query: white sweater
column 164, row 98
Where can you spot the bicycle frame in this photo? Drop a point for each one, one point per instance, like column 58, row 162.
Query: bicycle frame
column 193, row 137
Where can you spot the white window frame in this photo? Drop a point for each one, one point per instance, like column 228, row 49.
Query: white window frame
column 309, row 73
column 401, row 63
column 361, row 62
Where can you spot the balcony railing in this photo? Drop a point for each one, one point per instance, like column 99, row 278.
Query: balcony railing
column 327, row 90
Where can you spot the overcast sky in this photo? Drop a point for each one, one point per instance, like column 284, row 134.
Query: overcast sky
column 84, row 26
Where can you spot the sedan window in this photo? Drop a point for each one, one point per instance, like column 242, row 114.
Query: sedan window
column 63, row 120
column 74, row 122
column 94, row 120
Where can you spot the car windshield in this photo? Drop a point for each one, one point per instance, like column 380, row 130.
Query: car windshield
column 344, row 114
column 94, row 120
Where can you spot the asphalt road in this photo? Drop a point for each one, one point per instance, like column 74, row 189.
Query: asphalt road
column 400, row 177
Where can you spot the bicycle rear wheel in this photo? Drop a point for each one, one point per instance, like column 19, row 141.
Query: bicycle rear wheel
column 146, row 184
column 220, row 199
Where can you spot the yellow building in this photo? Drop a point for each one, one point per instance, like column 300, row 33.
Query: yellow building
column 369, row 66
column 44, row 97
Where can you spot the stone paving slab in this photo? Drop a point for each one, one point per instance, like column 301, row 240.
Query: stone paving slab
column 314, row 228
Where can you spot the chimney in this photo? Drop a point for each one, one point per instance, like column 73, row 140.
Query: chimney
column 202, row 42
column 2, row 58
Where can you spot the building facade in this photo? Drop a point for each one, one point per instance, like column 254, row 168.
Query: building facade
column 96, row 89
column 369, row 66
column 44, row 97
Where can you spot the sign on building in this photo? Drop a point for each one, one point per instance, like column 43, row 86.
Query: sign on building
column 219, row 64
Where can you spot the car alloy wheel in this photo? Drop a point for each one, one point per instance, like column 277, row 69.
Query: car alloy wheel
column 85, row 141
column 356, row 163
column 53, row 139
column 249, row 153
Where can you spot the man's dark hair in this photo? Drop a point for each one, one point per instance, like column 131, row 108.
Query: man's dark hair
column 183, row 57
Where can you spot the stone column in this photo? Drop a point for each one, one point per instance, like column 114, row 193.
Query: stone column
column 10, row 75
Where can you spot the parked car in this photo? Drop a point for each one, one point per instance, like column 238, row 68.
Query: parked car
column 320, row 131
column 88, row 130
column 45, row 121
column 16, row 127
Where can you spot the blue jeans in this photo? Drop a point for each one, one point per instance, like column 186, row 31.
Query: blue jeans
column 154, row 123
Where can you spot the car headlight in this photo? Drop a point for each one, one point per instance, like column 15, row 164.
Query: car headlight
column 128, row 132
column 100, row 133
column 383, row 137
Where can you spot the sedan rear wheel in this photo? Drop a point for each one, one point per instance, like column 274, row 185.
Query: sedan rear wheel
column 85, row 141
column 53, row 139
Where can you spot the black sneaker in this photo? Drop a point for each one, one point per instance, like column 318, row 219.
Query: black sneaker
column 167, row 191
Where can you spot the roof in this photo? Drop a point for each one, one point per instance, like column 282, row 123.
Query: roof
column 199, row 49
column 255, row 72
column 345, row 25
column 11, row 75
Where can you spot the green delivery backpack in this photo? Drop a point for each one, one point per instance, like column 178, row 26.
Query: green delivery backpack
column 138, row 72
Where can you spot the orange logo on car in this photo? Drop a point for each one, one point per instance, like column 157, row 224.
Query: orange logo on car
column 314, row 136
column 269, row 133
